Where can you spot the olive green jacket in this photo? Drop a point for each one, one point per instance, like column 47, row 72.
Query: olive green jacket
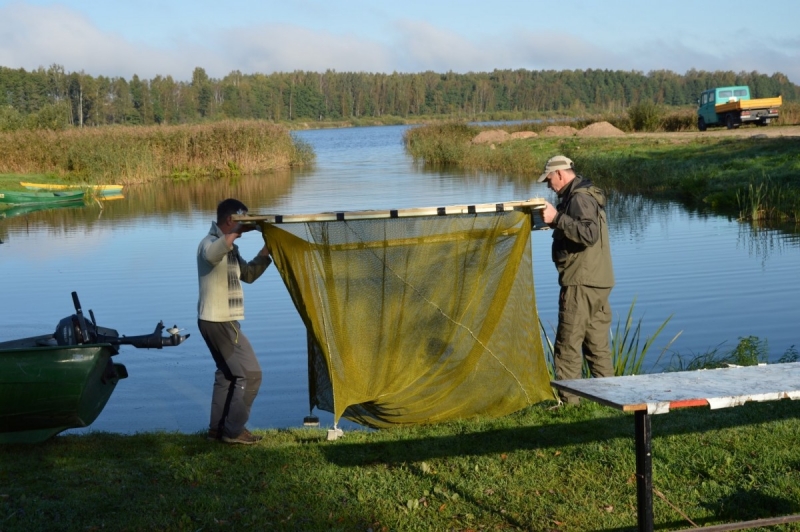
column 581, row 250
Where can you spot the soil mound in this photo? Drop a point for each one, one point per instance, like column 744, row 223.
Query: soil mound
column 491, row 136
column 600, row 129
column 523, row 135
column 559, row 131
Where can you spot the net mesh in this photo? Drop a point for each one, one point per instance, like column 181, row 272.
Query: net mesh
column 416, row 320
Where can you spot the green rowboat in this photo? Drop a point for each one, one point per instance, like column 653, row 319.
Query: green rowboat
column 17, row 198
column 45, row 389
column 54, row 382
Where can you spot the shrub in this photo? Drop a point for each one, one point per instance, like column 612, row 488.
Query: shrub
column 680, row 121
column 645, row 116
column 789, row 114
column 10, row 119
column 52, row 116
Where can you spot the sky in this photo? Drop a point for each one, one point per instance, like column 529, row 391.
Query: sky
column 120, row 38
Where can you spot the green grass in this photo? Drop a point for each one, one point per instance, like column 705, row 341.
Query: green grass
column 11, row 181
column 736, row 176
column 570, row 468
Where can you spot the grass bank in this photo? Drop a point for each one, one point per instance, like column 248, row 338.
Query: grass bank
column 565, row 469
column 749, row 177
column 134, row 154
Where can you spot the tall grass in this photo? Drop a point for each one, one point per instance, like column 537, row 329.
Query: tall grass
column 629, row 346
column 649, row 117
column 750, row 351
column 789, row 114
column 705, row 172
column 133, row 154
column 680, row 120
column 645, row 116
column 441, row 143
column 765, row 200
column 450, row 143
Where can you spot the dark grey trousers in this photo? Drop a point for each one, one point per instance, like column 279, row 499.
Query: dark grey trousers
column 237, row 379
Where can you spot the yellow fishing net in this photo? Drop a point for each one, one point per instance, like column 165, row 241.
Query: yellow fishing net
column 416, row 320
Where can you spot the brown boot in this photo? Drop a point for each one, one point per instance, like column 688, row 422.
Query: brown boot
column 245, row 438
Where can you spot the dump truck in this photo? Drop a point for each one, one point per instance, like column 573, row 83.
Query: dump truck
column 732, row 107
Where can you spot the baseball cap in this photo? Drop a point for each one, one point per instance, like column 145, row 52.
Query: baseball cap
column 559, row 162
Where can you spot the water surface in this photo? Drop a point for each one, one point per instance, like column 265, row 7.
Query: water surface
column 133, row 263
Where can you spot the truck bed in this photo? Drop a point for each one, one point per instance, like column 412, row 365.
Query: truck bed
column 758, row 103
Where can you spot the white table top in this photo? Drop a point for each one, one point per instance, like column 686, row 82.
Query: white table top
column 717, row 388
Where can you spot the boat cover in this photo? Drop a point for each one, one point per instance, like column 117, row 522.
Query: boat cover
column 416, row 320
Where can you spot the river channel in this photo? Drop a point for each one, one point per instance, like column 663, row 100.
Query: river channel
column 132, row 261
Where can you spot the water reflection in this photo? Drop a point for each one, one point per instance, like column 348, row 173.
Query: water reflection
column 162, row 199
column 764, row 242
column 133, row 261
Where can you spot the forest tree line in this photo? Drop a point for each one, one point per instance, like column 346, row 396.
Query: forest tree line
column 53, row 98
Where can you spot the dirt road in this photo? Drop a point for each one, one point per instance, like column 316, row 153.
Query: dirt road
column 743, row 131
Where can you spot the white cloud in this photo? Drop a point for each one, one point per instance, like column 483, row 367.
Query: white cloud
column 422, row 46
column 283, row 48
column 761, row 56
column 33, row 36
column 556, row 51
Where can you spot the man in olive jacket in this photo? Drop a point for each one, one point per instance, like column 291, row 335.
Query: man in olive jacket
column 582, row 256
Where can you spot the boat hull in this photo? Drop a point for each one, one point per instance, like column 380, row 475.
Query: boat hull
column 40, row 198
column 45, row 390
column 104, row 189
column 22, row 210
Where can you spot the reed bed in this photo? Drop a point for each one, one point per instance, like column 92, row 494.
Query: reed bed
column 764, row 201
column 136, row 154
column 450, row 143
column 789, row 114
column 752, row 178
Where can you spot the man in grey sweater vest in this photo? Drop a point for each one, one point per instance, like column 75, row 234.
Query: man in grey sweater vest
column 220, row 306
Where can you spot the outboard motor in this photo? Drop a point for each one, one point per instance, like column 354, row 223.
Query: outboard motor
column 75, row 330
column 69, row 331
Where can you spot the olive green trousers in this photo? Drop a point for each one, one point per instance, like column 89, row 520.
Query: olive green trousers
column 584, row 322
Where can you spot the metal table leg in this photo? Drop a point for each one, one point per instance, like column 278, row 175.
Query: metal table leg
column 644, row 472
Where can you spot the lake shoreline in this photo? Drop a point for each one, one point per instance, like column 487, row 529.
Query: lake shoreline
column 136, row 154
column 750, row 173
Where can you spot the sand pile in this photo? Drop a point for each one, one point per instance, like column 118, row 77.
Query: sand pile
column 523, row 135
column 491, row 136
column 600, row 129
column 559, row 131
